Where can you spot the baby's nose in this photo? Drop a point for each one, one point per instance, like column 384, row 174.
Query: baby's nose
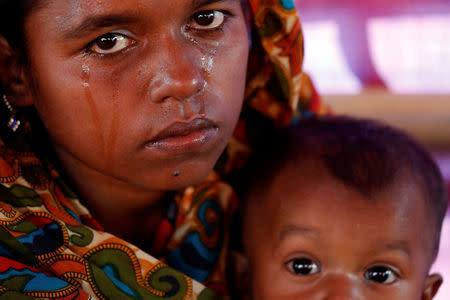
column 340, row 286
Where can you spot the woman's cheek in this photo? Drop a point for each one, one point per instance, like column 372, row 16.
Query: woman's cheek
column 232, row 76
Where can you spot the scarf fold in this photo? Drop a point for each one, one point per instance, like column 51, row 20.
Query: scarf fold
column 52, row 247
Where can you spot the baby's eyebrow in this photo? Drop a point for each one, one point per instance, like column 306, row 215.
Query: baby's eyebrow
column 399, row 245
column 292, row 229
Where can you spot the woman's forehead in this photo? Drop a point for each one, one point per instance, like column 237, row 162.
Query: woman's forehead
column 70, row 12
column 77, row 6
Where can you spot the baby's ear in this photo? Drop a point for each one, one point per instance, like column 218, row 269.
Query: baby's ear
column 239, row 274
column 431, row 287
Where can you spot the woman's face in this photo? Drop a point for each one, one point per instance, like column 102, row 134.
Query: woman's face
column 139, row 90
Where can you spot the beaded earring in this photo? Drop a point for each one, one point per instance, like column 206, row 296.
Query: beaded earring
column 13, row 124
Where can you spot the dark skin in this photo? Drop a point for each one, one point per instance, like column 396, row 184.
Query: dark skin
column 109, row 77
column 323, row 240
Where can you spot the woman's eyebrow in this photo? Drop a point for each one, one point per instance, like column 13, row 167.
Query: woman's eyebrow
column 94, row 22
column 199, row 3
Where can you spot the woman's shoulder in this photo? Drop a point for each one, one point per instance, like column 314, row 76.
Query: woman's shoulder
column 51, row 247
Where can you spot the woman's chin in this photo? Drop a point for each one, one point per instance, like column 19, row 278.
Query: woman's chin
column 178, row 176
column 190, row 175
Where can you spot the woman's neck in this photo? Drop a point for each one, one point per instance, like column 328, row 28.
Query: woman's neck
column 130, row 212
column 133, row 217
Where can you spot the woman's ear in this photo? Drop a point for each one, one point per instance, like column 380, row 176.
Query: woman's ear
column 246, row 9
column 431, row 286
column 13, row 75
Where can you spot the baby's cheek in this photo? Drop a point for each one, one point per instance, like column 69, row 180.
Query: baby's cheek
column 267, row 279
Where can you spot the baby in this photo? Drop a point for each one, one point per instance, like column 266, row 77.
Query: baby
column 341, row 209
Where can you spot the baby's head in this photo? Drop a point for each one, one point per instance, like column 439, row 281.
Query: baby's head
column 343, row 209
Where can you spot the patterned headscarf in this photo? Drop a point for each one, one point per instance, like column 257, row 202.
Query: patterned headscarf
column 52, row 247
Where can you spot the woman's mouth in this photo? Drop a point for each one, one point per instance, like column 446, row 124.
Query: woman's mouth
column 182, row 137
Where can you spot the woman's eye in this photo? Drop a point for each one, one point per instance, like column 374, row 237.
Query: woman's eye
column 303, row 266
column 380, row 274
column 110, row 43
column 208, row 20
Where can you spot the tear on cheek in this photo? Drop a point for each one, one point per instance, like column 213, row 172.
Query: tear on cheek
column 207, row 63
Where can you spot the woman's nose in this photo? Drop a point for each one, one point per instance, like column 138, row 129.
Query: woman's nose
column 179, row 74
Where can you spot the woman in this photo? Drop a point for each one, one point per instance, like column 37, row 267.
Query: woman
column 131, row 104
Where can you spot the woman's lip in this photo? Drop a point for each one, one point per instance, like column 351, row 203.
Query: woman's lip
column 182, row 137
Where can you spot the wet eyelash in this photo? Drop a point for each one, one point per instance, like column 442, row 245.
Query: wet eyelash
column 87, row 52
column 209, row 31
column 228, row 15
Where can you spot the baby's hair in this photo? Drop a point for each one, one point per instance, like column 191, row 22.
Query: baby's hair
column 363, row 154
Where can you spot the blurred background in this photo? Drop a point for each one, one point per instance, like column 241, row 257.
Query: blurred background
column 388, row 60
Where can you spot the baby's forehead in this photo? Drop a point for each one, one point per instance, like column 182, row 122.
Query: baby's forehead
column 317, row 193
column 322, row 208
column 309, row 177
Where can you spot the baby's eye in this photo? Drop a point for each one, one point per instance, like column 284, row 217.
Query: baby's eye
column 208, row 20
column 303, row 266
column 110, row 43
column 381, row 274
